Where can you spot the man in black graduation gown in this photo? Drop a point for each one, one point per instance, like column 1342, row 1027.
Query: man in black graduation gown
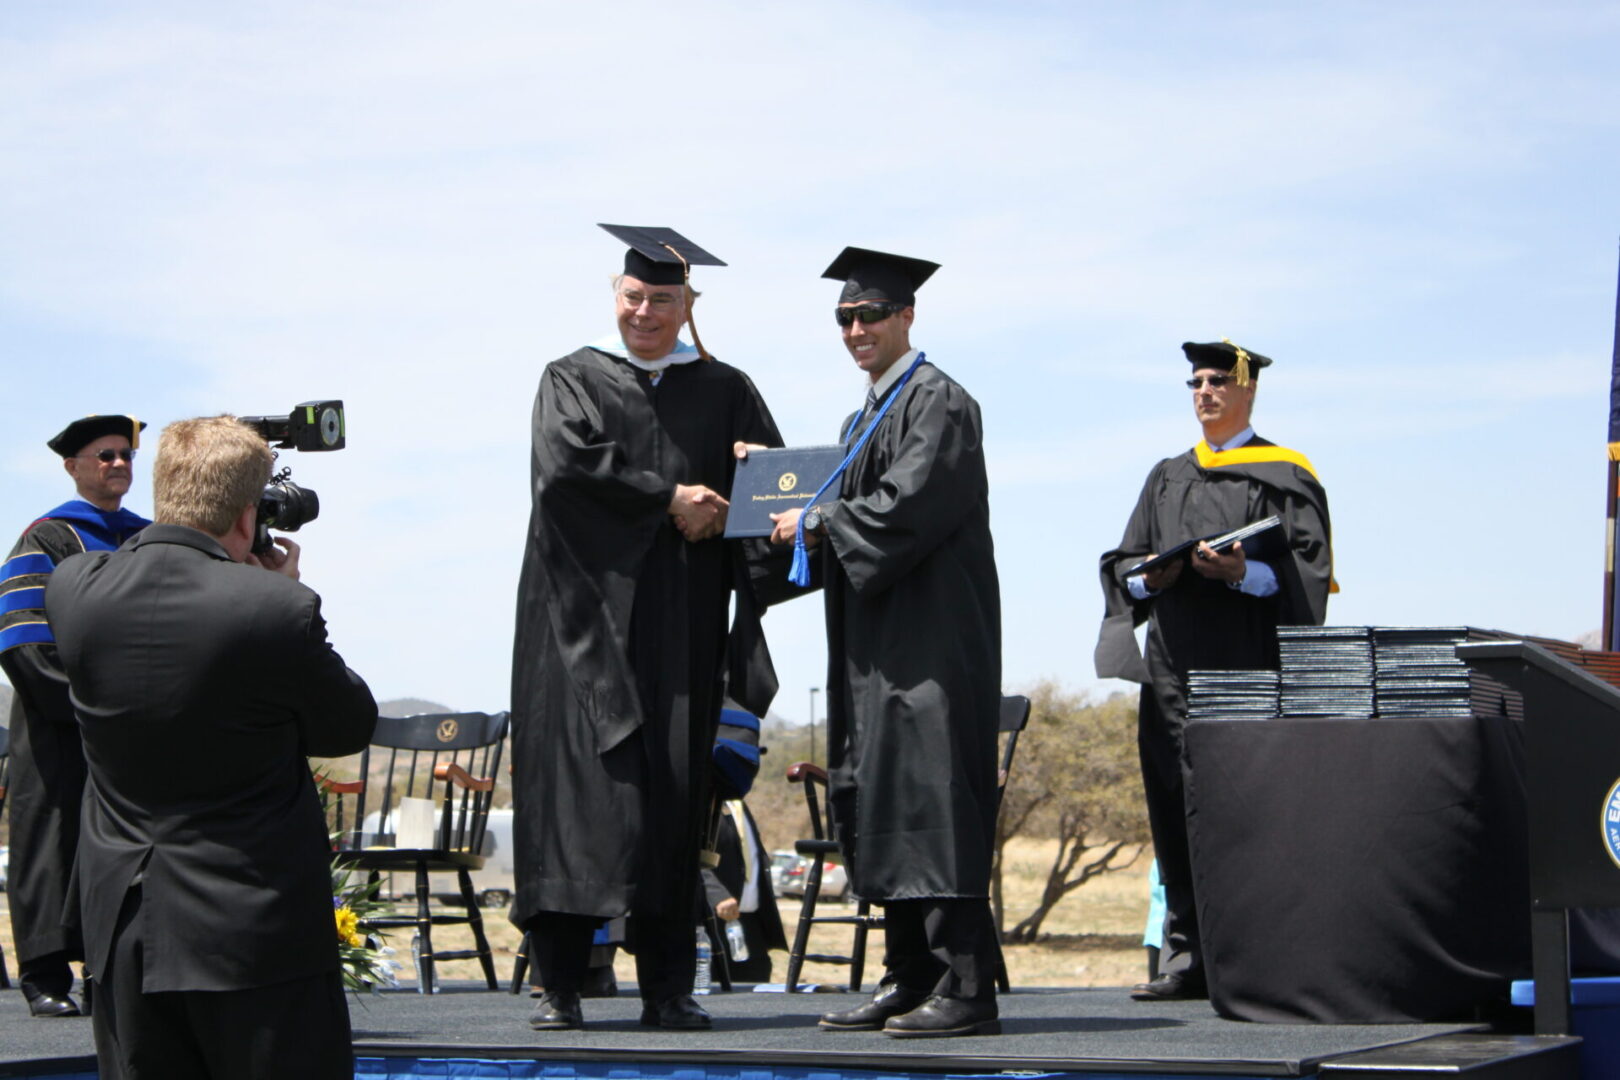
column 202, row 679
column 47, row 761
column 913, row 607
column 621, row 641
column 1215, row 611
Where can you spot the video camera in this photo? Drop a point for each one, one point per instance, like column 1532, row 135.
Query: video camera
column 284, row 506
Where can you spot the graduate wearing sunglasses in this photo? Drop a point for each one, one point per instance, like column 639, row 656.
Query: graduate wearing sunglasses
column 1214, row 611
column 47, row 770
column 904, row 556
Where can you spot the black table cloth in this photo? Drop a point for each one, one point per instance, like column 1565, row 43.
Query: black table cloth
column 1359, row 871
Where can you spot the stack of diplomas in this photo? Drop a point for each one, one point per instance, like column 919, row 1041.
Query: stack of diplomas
column 1231, row 695
column 1419, row 673
column 1326, row 671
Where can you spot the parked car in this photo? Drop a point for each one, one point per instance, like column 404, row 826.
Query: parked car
column 834, row 879
column 781, row 862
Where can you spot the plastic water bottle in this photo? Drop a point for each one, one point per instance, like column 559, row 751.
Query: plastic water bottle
column 700, row 983
column 736, row 944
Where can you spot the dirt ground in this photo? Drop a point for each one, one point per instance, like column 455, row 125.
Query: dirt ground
column 1092, row 938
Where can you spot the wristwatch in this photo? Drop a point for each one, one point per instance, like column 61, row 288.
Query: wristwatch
column 813, row 522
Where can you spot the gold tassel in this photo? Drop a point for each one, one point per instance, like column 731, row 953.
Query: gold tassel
column 1240, row 370
column 691, row 324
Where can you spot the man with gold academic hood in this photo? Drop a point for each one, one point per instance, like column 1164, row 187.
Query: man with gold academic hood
column 1212, row 611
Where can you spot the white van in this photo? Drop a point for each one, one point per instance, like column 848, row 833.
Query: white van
column 493, row 884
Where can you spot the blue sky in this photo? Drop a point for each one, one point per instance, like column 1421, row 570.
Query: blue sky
column 1413, row 208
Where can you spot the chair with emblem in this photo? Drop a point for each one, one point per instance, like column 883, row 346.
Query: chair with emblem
column 421, row 807
column 1014, row 715
column 5, row 773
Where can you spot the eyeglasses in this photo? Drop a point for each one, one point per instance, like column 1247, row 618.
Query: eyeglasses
column 1215, row 381
column 656, row 301
column 107, row 457
column 867, row 313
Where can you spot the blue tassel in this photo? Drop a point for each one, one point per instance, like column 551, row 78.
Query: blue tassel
column 799, row 573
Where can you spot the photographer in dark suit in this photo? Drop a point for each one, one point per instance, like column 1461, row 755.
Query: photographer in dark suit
column 201, row 677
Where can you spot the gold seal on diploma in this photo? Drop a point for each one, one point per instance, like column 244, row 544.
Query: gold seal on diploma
column 787, row 481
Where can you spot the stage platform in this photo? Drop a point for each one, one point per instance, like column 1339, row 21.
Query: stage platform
column 1091, row 1034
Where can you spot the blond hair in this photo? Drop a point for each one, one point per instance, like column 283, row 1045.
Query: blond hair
column 208, row 470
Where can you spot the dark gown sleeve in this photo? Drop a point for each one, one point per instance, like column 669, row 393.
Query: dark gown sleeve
column 594, row 516
column 1307, row 576
column 573, row 457
column 33, row 668
column 338, row 713
column 935, row 479
column 1117, row 655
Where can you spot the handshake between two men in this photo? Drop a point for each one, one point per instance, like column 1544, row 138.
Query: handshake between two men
column 699, row 512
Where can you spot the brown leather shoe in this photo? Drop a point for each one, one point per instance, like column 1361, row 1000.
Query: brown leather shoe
column 891, row 1000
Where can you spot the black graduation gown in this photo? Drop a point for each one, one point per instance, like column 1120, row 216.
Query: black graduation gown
column 914, row 651
column 1199, row 624
column 47, row 758
column 621, row 638
column 762, row 928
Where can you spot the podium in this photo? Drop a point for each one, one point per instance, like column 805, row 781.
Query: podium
column 1572, row 752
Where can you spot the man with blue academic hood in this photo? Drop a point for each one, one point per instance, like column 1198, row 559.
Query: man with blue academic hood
column 47, row 762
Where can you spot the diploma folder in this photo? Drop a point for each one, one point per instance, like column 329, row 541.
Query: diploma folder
column 770, row 481
column 1218, row 541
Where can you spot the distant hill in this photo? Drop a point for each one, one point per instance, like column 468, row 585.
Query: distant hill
column 410, row 706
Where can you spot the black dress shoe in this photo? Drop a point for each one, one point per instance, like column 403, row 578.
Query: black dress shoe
column 678, row 1013
column 557, row 1011
column 941, row 1016
column 890, row 1000
column 41, row 1003
column 1170, row 987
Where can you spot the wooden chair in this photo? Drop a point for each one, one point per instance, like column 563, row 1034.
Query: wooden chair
column 820, row 845
column 5, row 773
column 452, row 760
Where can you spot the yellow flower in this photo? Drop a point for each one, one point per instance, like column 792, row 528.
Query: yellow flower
column 348, row 925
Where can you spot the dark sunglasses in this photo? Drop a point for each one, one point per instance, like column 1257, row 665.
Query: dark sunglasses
column 1215, row 381
column 867, row 313
column 107, row 457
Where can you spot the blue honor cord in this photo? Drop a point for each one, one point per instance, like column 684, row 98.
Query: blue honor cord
column 799, row 572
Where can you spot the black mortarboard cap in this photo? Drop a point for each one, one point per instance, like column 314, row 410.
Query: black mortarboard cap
column 1223, row 355
column 650, row 257
column 877, row 275
column 79, row 434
